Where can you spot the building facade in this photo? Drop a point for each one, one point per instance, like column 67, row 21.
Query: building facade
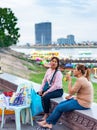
column 43, row 33
column 69, row 40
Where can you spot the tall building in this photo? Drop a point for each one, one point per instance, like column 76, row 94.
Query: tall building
column 70, row 39
column 43, row 33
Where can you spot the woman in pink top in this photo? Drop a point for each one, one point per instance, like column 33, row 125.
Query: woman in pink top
column 55, row 89
column 84, row 96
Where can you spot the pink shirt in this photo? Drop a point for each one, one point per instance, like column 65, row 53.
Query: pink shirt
column 57, row 81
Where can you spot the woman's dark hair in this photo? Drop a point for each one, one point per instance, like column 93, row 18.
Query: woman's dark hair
column 57, row 59
column 84, row 70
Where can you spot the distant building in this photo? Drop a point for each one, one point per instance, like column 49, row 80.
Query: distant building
column 61, row 41
column 69, row 40
column 43, row 33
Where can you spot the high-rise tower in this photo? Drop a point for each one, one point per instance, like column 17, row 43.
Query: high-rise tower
column 43, row 33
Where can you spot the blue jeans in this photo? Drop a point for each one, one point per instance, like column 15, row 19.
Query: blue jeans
column 65, row 106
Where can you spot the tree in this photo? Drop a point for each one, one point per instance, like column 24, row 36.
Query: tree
column 9, row 33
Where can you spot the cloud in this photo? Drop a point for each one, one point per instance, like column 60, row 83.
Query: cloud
column 76, row 17
column 15, row 3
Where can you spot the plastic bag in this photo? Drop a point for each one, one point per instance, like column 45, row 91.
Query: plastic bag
column 36, row 104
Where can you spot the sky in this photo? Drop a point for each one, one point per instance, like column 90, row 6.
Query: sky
column 77, row 17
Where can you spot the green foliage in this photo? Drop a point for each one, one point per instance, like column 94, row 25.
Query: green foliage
column 8, row 31
column 39, row 72
column 95, row 92
column 36, row 68
column 37, row 77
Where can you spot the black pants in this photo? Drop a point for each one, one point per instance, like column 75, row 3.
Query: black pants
column 48, row 96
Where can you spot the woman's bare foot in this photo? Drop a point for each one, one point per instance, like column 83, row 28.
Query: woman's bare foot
column 45, row 116
column 41, row 123
column 47, row 125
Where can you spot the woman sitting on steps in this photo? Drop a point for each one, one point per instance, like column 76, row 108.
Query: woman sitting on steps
column 55, row 90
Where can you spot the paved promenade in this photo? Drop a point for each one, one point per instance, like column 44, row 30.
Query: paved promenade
column 10, row 125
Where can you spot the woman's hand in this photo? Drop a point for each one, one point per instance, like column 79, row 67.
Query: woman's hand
column 68, row 97
column 68, row 77
column 40, row 93
column 44, row 94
